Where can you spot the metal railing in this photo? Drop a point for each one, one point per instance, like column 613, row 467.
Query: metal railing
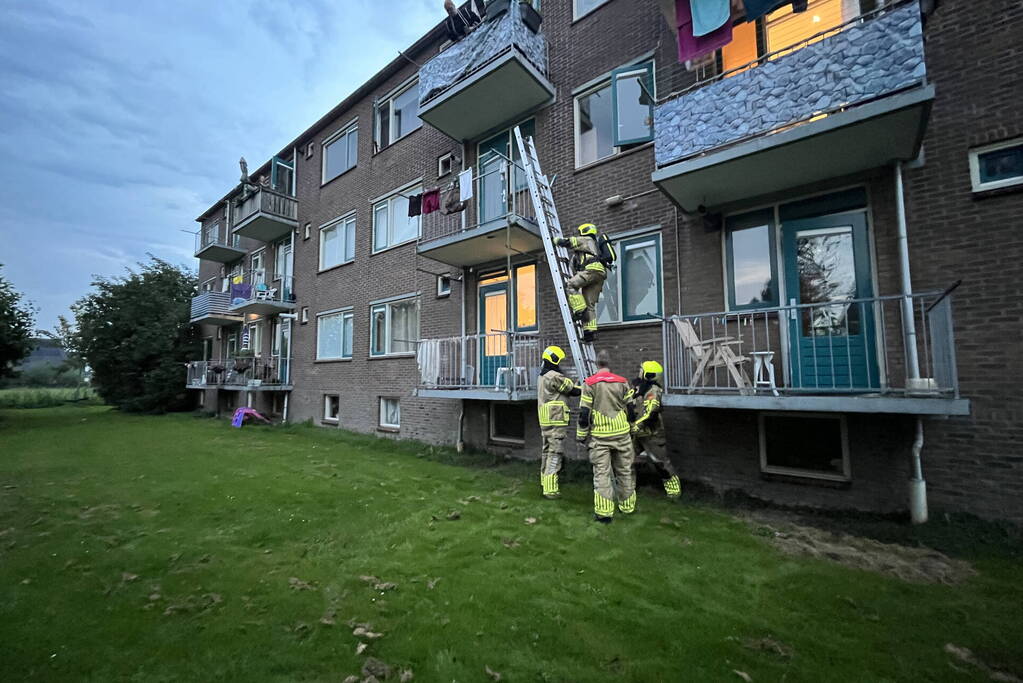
column 855, row 346
column 500, row 361
column 266, row 201
column 499, row 192
column 261, row 285
column 211, row 303
column 240, row 372
column 217, row 234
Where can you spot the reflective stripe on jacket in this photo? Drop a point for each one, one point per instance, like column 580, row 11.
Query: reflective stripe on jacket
column 552, row 410
column 603, row 406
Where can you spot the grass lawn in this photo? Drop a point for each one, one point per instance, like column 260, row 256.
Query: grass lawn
column 43, row 397
column 176, row 548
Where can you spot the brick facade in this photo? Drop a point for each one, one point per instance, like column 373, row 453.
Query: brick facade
column 970, row 463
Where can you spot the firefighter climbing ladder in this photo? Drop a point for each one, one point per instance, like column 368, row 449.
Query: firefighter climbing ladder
column 558, row 258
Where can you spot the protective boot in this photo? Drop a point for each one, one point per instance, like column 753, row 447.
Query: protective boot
column 673, row 486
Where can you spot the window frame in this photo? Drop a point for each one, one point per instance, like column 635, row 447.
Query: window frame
column 352, row 127
column 443, row 286
column 503, row 439
column 575, row 9
column 387, row 426
column 343, row 223
column 650, row 84
column 846, row 475
column 620, row 242
column 607, row 81
column 290, row 166
column 345, row 314
column 514, row 303
column 388, row 101
column 387, row 305
column 450, row 158
column 403, row 192
column 753, row 217
column 327, row 398
column 976, row 184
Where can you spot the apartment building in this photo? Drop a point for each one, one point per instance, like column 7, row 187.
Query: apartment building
column 792, row 212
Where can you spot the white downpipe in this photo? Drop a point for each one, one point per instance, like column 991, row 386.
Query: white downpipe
column 248, row 395
column 917, row 485
column 284, row 417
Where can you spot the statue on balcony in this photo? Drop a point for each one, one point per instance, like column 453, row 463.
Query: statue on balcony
column 248, row 188
column 461, row 21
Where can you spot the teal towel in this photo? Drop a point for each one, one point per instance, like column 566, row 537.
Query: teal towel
column 709, row 15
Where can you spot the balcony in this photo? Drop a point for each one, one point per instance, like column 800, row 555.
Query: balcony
column 495, row 75
column 240, row 374
column 260, row 293
column 498, row 366
column 840, row 102
column 213, row 308
column 266, row 215
column 844, row 356
column 498, row 220
column 216, row 243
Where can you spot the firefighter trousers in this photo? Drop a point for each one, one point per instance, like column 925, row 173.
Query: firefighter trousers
column 613, row 478
column 551, row 458
column 583, row 293
column 656, row 448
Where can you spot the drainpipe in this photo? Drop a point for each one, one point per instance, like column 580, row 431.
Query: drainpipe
column 917, row 485
column 284, row 416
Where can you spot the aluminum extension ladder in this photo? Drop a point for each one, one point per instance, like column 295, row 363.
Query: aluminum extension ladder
column 559, row 259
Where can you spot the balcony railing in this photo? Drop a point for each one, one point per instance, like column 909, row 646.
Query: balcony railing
column 238, row 373
column 497, row 361
column 843, row 347
column 259, row 291
column 217, row 243
column 499, row 193
column 213, row 304
column 874, row 55
column 265, row 215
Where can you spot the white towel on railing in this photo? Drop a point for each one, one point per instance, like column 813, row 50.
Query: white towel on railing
column 465, row 185
column 428, row 360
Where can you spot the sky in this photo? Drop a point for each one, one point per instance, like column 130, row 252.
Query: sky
column 121, row 121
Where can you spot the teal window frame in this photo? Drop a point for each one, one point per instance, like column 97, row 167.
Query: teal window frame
column 277, row 161
column 622, row 248
column 746, row 221
column 648, row 85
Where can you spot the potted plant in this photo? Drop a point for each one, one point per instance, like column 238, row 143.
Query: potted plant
column 243, row 360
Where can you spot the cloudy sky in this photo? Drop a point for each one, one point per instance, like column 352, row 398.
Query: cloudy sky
column 121, row 121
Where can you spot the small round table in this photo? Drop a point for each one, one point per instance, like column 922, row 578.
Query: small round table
column 764, row 361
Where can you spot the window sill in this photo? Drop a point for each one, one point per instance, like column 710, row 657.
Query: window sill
column 389, row 356
column 329, row 421
column 394, row 246
column 613, row 157
column 511, row 443
column 394, row 142
column 577, row 19
column 332, row 360
column 324, row 183
column 806, row 478
column 388, row 430
column 327, row 270
column 996, row 191
column 626, row 324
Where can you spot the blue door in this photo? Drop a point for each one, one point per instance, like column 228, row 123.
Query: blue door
column 493, row 323
column 831, row 337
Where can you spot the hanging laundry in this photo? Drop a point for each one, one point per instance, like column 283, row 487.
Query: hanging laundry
column 431, row 201
column 415, row 205
column 691, row 46
column 452, row 204
column 465, row 185
column 709, row 15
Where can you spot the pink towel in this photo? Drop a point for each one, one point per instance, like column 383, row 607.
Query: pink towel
column 690, row 46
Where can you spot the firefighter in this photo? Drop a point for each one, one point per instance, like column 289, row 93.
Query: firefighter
column 590, row 272
column 604, row 420
column 648, row 428
column 552, row 389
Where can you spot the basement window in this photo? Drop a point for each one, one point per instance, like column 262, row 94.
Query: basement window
column 993, row 167
column 812, row 445
column 331, row 407
column 507, row 423
column 390, row 413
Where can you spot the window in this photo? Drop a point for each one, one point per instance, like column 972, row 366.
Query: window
column 632, row 290
column 337, row 242
column 445, row 164
column 614, row 114
column 751, row 270
column 331, row 407
column 394, row 327
column 443, row 286
column 525, row 297
column 583, row 7
column 340, row 153
column 397, row 115
column 998, row 165
column 282, row 176
column 334, row 332
column 306, row 231
column 304, row 317
column 507, row 423
column 390, row 413
column 810, row 445
column 252, row 338
column 391, row 223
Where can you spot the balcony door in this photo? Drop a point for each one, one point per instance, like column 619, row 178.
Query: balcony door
column 284, row 269
column 282, row 349
column 827, row 265
column 502, row 187
column 493, row 323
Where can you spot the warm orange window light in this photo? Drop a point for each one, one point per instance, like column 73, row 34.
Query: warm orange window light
column 525, row 296
column 743, row 48
column 787, row 28
column 495, row 321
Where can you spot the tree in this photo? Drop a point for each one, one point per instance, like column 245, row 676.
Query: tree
column 16, row 322
column 134, row 334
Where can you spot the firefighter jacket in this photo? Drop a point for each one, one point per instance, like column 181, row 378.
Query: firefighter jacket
column 603, row 407
column 587, row 253
column 646, row 406
column 551, row 392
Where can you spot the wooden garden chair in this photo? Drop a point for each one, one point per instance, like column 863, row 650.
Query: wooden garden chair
column 710, row 354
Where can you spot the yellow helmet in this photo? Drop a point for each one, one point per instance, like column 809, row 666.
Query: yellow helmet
column 651, row 369
column 554, row 355
column 587, row 229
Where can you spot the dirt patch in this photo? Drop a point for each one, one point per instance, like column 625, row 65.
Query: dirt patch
column 915, row 565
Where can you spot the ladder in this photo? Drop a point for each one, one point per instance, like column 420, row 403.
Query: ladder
column 559, row 259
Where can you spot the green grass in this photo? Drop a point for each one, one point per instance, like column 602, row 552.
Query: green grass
column 43, row 397
column 163, row 548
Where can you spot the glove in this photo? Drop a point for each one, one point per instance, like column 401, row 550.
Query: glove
column 562, row 242
column 634, row 428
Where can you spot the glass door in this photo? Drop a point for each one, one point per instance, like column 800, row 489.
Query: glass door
column 493, row 324
column 282, row 349
column 502, row 188
column 827, row 265
column 282, row 176
column 284, row 269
